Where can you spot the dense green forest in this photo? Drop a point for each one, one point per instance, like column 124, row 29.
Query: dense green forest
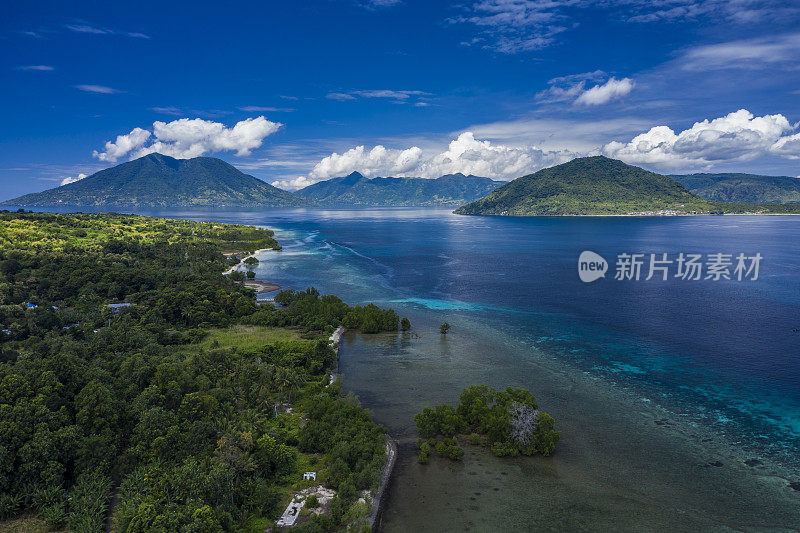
column 743, row 188
column 157, row 180
column 602, row 186
column 509, row 422
column 194, row 408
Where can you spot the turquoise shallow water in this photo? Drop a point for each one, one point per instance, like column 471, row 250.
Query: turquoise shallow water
column 679, row 400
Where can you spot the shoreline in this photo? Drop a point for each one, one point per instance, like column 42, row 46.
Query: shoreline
column 261, row 287
column 254, row 254
column 694, row 482
column 378, row 500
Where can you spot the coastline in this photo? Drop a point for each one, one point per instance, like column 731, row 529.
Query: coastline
column 378, row 500
column 699, row 478
column 254, row 254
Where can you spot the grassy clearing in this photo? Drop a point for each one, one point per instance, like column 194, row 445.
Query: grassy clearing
column 25, row 525
column 246, row 338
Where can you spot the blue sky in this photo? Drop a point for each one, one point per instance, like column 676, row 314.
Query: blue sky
column 296, row 92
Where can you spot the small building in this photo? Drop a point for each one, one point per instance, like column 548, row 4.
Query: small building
column 117, row 307
column 310, row 475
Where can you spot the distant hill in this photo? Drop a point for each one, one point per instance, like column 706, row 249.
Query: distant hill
column 749, row 188
column 588, row 185
column 157, row 181
column 355, row 189
column 602, row 186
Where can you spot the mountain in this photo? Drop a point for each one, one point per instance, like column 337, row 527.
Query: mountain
column 157, row 180
column 355, row 189
column 587, row 186
column 749, row 188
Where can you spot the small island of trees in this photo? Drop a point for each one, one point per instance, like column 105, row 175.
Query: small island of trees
column 509, row 422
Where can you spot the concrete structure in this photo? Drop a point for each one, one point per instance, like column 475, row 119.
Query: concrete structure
column 289, row 516
column 310, row 475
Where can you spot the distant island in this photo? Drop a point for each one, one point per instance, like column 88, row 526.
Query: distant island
column 599, row 185
column 355, row 189
column 159, row 181
column 584, row 186
column 737, row 187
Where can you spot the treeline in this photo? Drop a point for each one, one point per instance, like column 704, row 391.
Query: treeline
column 311, row 311
column 96, row 402
column 509, row 422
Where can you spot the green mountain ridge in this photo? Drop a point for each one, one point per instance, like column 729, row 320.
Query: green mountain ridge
column 599, row 185
column 355, row 189
column 157, row 180
column 740, row 187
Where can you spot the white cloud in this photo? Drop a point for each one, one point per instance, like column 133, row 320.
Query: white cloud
column 760, row 53
column 293, row 184
column 340, row 96
column 788, row 146
column 388, row 93
column 260, row 109
column 169, row 110
column 186, row 138
column 123, row 145
column 42, row 68
column 602, row 94
column 86, row 28
column 379, row 160
column 68, row 180
column 573, row 88
column 465, row 154
column 483, row 158
column 399, row 96
column 513, row 26
column 738, row 136
column 100, row 89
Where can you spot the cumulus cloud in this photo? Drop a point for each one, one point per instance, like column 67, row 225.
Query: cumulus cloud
column 293, row 184
column 186, row 138
column 379, row 160
column 123, row 145
column 788, row 146
column 465, row 154
column 68, row 180
column 738, row 136
column 610, row 90
column 468, row 155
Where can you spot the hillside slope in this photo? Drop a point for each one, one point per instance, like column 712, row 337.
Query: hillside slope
column 736, row 187
column 587, row 186
column 157, row 180
column 355, row 189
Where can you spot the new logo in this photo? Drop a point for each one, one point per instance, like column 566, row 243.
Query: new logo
column 591, row 266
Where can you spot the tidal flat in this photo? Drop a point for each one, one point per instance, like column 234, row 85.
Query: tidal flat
column 622, row 462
